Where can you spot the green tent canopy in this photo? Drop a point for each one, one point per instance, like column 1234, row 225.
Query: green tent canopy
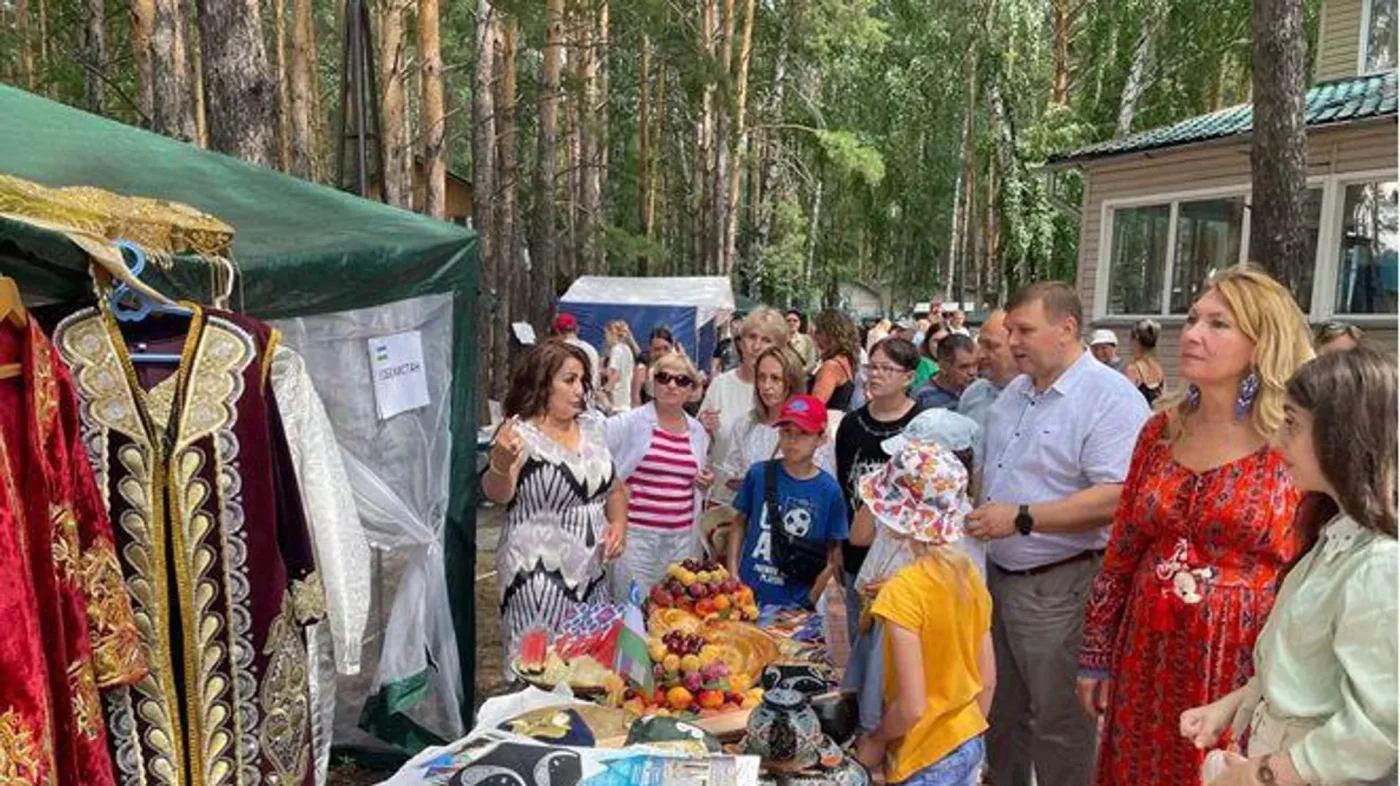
column 300, row 249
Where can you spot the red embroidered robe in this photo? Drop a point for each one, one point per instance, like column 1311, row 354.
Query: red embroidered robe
column 68, row 628
column 213, row 545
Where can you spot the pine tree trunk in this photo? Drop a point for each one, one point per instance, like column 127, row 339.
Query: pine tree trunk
column 301, row 144
column 543, row 250
column 434, row 146
column 1060, row 19
column 507, row 178
column 172, row 109
column 94, row 49
column 143, row 13
column 484, row 189
column 1278, row 153
column 604, row 138
column 573, row 141
column 644, row 147
column 590, row 144
column 43, row 34
column 26, row 45
column 719, row 186
column 741, row 135
column 704, row 214
column 397, row 177
column 279, row 39
column 242, row 107
column 189, row 22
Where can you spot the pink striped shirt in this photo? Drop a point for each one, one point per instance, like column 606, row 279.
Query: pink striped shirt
column 662, row 487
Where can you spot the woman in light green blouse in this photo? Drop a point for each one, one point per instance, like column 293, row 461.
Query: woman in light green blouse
column 1321, row 708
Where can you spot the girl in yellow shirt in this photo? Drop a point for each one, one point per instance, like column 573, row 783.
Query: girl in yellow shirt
column 939, row 668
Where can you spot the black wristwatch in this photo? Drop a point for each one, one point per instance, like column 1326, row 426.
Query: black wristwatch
column 1024, row 522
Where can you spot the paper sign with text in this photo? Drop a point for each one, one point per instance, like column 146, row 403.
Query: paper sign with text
column 400, row 378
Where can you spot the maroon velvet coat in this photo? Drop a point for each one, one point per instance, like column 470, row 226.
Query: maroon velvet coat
column 213, row 544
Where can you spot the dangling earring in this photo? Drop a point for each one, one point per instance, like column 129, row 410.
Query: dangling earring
column 1249, row 388
column 1193, row 396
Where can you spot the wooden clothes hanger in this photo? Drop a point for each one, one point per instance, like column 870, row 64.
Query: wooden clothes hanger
column 12, row 311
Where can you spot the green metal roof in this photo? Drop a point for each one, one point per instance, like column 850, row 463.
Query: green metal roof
column 1339, row 101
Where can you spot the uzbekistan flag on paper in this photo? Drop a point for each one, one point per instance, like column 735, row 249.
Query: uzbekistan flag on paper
column 633, row 662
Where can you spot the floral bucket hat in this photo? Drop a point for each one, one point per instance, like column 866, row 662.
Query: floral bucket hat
column 920, row 493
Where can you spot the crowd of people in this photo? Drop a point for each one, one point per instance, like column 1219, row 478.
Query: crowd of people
column 1058, row 567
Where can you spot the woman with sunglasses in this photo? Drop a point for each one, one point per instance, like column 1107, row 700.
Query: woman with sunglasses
column 660, row 454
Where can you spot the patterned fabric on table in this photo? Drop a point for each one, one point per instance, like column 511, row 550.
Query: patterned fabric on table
column 550, row 555
column 1186, row 585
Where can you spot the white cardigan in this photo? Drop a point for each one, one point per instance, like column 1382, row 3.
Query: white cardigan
column 629, row 438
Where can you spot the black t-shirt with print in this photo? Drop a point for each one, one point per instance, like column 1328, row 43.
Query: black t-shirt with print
column 858, row 453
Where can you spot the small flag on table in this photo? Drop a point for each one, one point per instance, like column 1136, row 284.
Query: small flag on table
column 633, row 662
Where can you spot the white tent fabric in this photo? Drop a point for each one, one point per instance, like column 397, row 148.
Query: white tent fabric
column 709, row 295
column 398, row 470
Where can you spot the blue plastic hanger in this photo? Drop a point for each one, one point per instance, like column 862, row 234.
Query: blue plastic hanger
column 129, row 305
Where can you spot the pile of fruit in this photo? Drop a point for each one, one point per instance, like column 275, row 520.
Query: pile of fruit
column 705, row 588
column 692, row 676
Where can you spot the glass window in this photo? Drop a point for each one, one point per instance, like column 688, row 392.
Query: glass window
column 1366, row 269
column 1208, row 236
column 1138, row 259
column 1380, row 37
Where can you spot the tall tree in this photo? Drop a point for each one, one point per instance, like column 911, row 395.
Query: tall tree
column 517, row 284
column 397, row 177
column 434, row 146
column 592, row 138
column 242, row 106
column 301, row 103
column 94, row 49
column 189, row 21
column 284, row 103
column 484, row 188
column 172, row 106
column 543, row 249
column 1278, row 152
column 26, row 44
column 741, row 136
column 143, row 18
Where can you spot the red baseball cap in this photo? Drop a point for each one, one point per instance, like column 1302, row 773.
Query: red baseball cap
column 565, row 321
column 806, row 412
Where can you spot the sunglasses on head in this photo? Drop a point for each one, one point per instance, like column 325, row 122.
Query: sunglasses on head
column 680, row 380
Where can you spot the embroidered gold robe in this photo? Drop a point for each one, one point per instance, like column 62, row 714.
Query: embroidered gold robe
column 213, row 544
column 68, row 629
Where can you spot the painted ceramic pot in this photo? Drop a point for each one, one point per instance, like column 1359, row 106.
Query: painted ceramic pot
column 784, row 731
column 838, row 714
column 801, row 677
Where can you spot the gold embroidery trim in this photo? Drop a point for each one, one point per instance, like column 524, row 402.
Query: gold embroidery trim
column 285, row 729
column 23, row 757
column 66, row 547
column 308, row 598
column 86, row 709
column 117, row 655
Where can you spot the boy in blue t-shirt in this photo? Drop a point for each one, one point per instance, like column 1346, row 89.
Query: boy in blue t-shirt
column 812, row 508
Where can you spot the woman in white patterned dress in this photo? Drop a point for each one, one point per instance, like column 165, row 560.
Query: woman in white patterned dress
column 566, row 513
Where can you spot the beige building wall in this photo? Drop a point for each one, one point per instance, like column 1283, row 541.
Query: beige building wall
column 1339, row 40
column 1362, row 147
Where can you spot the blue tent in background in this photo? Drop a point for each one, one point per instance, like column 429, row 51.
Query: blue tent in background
column 685, row 306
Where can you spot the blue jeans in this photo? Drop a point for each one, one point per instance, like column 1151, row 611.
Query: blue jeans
column 852, row 606
column 961, row 767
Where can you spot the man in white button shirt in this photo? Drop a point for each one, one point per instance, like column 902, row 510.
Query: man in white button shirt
column 1057, row 445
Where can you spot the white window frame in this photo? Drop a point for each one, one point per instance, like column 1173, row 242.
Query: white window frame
column 1329, row 257
column 1364, row 40
column 1325, row 263
column 1172, row 198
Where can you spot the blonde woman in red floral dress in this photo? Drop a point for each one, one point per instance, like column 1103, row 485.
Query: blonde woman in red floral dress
column 1204, row 529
